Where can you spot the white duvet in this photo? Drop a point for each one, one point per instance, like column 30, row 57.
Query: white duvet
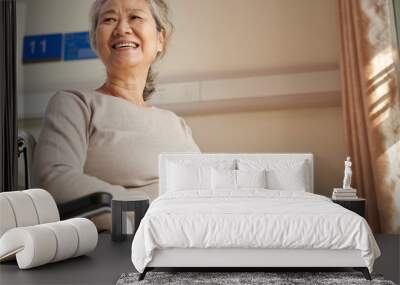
column 250, row 219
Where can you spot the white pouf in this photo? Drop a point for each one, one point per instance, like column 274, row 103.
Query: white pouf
column 41, row 244
column 31, row 231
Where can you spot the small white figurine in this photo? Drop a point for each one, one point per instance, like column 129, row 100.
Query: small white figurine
column 347, row 174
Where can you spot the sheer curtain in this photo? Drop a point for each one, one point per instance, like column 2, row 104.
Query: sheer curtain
column 8, row 100
column 371, row 105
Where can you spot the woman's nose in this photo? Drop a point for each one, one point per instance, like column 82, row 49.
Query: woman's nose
column 122, row 28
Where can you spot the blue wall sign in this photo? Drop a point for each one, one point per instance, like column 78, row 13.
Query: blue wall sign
column 77, row 46
column 42, row 48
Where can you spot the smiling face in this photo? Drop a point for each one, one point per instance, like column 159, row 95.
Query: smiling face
column 127, row 35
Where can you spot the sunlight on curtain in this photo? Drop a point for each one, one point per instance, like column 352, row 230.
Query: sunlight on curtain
column 369, row 63
column 382, row 68
column 384, row 98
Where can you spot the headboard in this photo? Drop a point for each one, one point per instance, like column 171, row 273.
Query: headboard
column 165, row 158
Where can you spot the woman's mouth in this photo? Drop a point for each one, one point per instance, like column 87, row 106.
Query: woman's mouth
column 124, row 45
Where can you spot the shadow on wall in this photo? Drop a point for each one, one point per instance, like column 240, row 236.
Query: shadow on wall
column 318, row 131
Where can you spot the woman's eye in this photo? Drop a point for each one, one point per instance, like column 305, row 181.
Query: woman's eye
column 109, row 20
column 135, row 17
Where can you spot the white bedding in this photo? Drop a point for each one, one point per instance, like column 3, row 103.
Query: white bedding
column 250, row 218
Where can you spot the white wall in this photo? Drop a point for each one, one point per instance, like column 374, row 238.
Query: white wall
column 213, row 39
column 224, row 37
column 59, row 16
column 218, row 39
column 309, row 130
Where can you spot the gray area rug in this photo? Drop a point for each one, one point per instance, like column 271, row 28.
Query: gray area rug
column 232, row 278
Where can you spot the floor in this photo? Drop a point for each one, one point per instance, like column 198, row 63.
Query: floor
column 389, row 262
column 102, row 266
column 110, row 260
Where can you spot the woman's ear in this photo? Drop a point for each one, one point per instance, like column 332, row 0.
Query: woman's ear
column 161, row 41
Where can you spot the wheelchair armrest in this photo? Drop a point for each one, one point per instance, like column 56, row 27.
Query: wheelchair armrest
column 86, row 206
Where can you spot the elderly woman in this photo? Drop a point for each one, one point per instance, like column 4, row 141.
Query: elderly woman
column 109, row 139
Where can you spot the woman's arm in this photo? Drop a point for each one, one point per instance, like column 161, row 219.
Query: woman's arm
column 188, row 135
column 61, row 150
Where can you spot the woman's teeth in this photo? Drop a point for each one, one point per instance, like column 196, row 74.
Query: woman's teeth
column 124, row 45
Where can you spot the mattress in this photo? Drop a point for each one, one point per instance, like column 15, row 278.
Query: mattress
column 251, row 219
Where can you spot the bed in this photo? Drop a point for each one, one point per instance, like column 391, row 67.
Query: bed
column 245, row 211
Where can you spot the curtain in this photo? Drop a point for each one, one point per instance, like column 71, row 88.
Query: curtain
column 369, row 63
column 8, row 104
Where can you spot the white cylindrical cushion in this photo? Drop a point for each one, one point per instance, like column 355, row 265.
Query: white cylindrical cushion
column 45, row 205
column 41, row 244
column 67, row 240
column 7, row 218
column 87, row 234
column 34, row 245
column 23, row 208
column 26, row 208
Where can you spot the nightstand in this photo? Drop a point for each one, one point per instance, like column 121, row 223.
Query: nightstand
column 355, row 205
column 122, row 207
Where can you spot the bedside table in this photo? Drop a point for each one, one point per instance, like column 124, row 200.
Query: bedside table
column 121, row 207
column 355, row 205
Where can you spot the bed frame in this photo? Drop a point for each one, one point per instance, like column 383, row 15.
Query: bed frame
column 245, row 259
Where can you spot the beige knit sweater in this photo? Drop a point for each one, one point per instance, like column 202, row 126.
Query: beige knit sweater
column 92, row 142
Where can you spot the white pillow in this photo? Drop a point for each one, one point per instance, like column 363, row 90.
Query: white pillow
column 189, row 177
column 226, row 179
column 251, row 178
column 293, row 179
column 184, row 174
column 281, row 174
column 223, row 179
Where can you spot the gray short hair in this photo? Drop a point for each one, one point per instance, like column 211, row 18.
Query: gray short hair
column 160, row 12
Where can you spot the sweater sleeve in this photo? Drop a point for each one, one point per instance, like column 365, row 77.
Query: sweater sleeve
column 61, row 150
column 189, row 137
